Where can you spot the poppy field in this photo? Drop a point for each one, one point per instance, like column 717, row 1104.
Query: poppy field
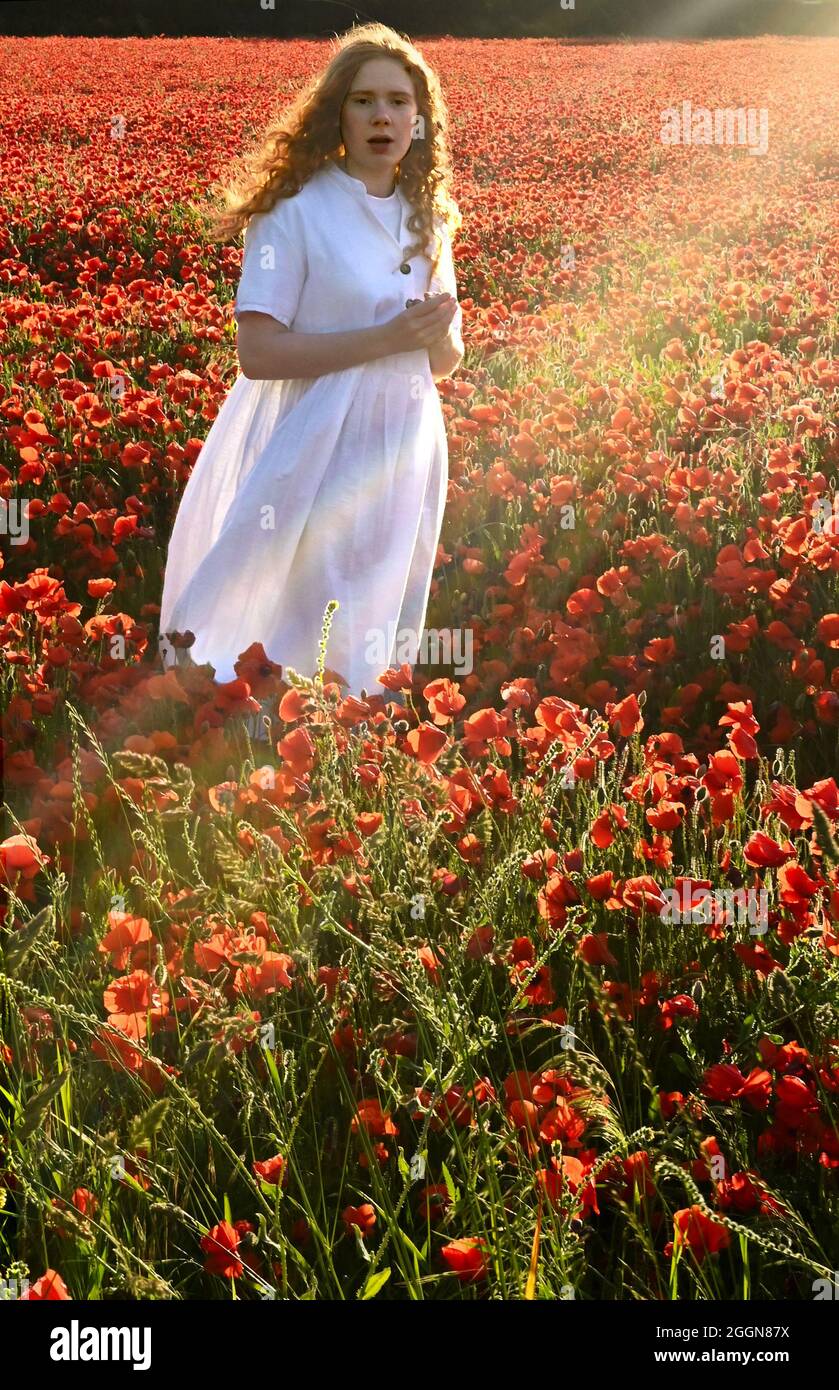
column 524, row 988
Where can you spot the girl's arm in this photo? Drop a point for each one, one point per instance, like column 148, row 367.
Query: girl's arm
column 269, row 351
column 445, row 357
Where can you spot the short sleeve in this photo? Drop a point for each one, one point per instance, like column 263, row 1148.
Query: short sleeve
column 273, row 265
column 443, row 281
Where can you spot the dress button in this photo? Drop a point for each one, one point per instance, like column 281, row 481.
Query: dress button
column 405, row 268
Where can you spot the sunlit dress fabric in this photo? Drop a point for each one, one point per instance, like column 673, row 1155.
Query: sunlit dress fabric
column 323, row 488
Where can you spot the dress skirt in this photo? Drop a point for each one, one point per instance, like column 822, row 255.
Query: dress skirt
column 308, row 490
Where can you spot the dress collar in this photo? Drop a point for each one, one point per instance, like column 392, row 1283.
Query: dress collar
column 354, row 185
column 358, row 189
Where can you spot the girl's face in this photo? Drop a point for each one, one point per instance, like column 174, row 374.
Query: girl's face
column 377, row 118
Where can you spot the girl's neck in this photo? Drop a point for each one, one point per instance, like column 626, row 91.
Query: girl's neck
column 342, row 164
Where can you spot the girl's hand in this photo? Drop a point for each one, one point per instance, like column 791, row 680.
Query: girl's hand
column 425, row 322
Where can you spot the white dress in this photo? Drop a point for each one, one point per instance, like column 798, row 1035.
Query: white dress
column 309, row 489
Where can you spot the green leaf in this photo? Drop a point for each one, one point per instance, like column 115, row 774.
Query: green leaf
column 66, row 1093
column 271, row 1064
column 374, row 1283
column 360, row 1246
column 680, row 1064
column 449, row 1181
column 406, row 1240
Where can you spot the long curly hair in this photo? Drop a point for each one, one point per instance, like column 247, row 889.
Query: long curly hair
column 305, row 134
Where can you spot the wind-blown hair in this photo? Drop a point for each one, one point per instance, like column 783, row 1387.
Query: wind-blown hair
column 307, row 133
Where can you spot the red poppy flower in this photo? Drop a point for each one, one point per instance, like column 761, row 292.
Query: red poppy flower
column 641, row 892
column 524, row 1115
column 756, row 957
column 84, row 1201
column 433, row 1201
column 722, row 1082
column 297, row 751
column 121, row 1054
column 364, row 1217
column 430, row 963
column 20, row 860
column 270, row 974
column 783, row 1057
column 761, row 851
column 127, row 932
column 220, row 1245
column 627, row 715
column 562, row 1122
column 639, row 1176
column 798, row 1104
column 680, row 1006
column 49, row 1288
column 380, row 1154
column 426, row 743
column 757, row 1088
column 827, row 628
column 134, row 1000
column 271, row 1170
column 740, row 1192
column 571, row 1173
column 601, row 885
column 370, row 1116
column 602, row 827
column 695, row 1231
column 670, row 1101
column 480, row 943
column 466, row 1258
column 594, row 949
column 444, row 700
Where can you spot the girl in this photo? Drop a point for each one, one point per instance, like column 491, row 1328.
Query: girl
column 324, row 473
